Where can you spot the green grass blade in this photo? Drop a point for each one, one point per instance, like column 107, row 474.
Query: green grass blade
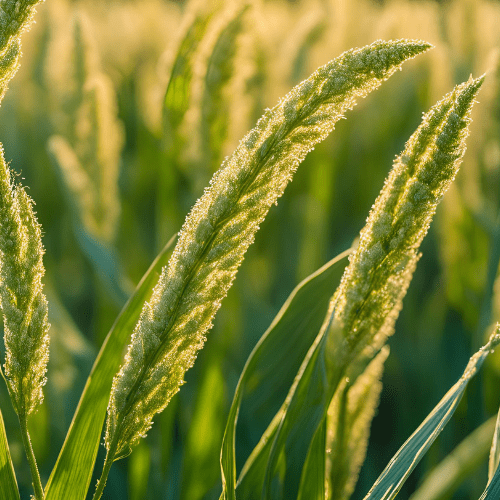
column 492, row 491
column 302, row 415
column 495, row 450
column 462, row 462
column 277, row 357
column 253, row 473
column 8, row 483
column 406, row 459
column 70, row 478
column 313, row 483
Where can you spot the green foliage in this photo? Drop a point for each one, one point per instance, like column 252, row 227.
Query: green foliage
column 279, row 355
column 363, row 310
column 82, row 441
column 406, row 459
column 465, row 458
column 8, row 483
column 135, row 105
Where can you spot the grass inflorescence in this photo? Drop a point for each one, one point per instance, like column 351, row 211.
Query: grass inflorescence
column 299, row 424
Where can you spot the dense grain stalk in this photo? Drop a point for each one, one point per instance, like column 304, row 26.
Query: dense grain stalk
column 376, row 280
column 23, row 304
column 220, row 228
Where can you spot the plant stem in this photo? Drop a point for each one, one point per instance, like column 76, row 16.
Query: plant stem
column 108, row 462
column 35, row 475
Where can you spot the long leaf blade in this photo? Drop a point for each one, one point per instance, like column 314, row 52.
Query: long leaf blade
column 406, row 459
column 450, row 473
column 492, row 491
column 8, row 483
column 71, row 476
column 279, row 354
column 494, row 450
column 313, row 484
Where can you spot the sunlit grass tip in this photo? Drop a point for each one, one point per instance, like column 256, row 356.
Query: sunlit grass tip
column 23, row 304
column 375, row 282
column 16, row 16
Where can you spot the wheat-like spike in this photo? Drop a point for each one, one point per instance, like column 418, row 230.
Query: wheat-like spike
column 215, row 107
column 15, row 17
column 376, row 280
column 222, row 225
column 87, row 151
column 23, row 303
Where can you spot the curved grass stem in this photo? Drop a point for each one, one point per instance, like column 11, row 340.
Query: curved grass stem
column 108, row 462
column 30, row 455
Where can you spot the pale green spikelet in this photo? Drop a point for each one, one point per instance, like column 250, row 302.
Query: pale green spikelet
column 179, row 90
column 88, row 150
column 309, row 32
column 177, row 103
column 215, row 104
column 15, row 17
column 349, row 418
column 75, row 176
column 222, row 225
column 375, row 282
column 23, row 303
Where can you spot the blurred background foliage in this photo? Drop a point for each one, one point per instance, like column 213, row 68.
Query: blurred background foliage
column 114, row 161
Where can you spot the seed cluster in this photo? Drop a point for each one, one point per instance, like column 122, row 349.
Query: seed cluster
column 23, row 304
column 222, row 225
column 375, row 282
